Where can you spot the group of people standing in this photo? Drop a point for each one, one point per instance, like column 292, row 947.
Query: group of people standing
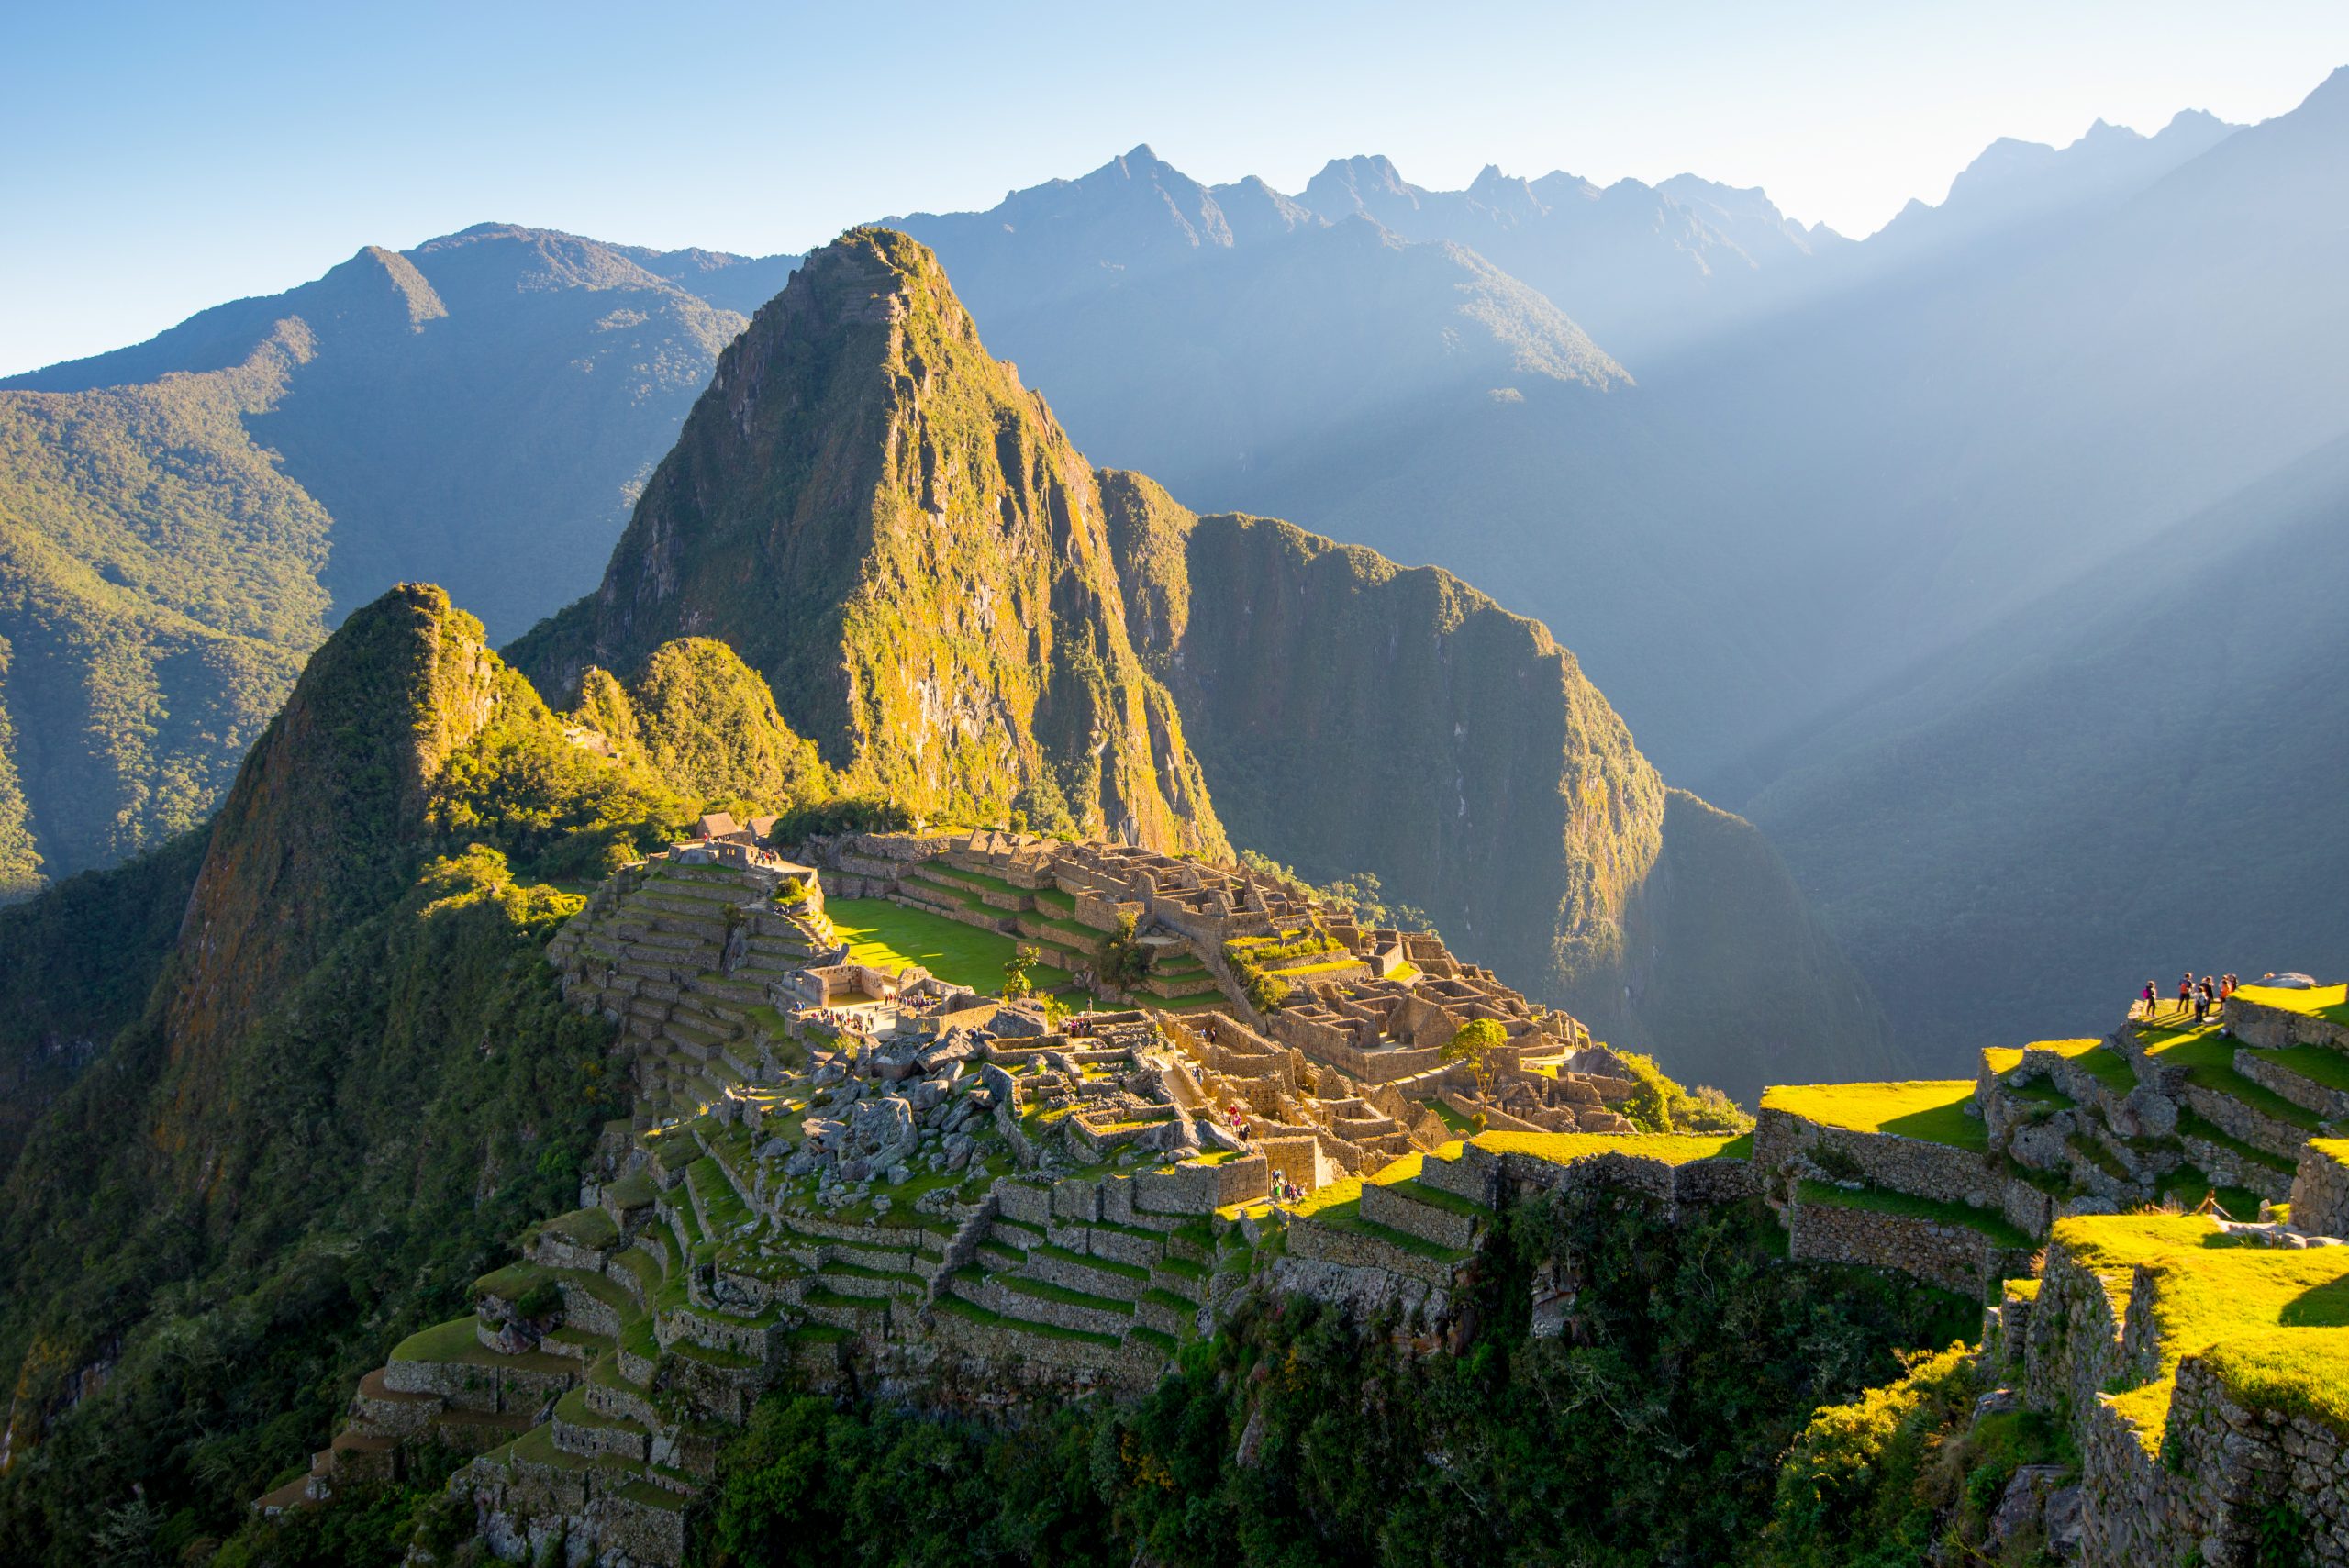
column 2197, row 998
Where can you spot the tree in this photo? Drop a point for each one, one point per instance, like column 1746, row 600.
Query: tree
column 1473, row 1045
column 1125, row 962
column 1015, row 983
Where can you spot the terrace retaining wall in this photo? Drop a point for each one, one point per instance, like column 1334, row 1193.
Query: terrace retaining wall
column 1890, row 1160
column 1955, row 1257
column 2274, row 1028
column 2321, row 1195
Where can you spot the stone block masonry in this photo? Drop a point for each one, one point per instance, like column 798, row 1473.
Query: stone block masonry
column 1957, row 1258
column 1897, row 1164
column 2321, row 1188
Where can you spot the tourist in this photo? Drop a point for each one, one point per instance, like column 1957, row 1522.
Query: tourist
column 2185, row 995
column 2153, row 1001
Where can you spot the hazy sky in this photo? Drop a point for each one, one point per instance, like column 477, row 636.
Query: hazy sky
column 167, row 156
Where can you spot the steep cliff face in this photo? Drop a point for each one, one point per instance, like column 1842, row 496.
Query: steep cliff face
column 901, row 539
column 1354, row 714
column 323, row 823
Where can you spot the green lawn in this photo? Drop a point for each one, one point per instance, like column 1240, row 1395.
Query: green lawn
column 890, row 936
column 2314, row 1062
column 1672, row 1148
column 2208, row 1057
column 1934, row 1110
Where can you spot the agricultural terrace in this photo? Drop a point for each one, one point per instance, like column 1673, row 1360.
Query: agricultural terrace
column 1933, row 1110
column 890, row 936
column 2211, row 1289
column 2100, row 1061
column 2330, row 1003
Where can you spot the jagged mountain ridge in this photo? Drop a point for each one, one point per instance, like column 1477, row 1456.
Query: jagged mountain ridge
column 899, row 538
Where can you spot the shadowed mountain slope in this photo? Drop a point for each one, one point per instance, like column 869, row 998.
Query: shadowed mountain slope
column 1354, row 714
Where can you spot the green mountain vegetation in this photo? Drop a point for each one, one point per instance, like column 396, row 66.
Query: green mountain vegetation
column 158, row 591
column 897, row 536
column 1300, row 1434
column 316, row 1107
column 1353, row 715
column 181, row 521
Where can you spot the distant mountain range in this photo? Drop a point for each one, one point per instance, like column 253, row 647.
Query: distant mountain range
column 1808, row 511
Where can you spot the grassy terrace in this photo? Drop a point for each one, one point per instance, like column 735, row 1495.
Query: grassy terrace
column 1933, row 1111
column 1990, row 1222
column 2330, row 1003
column 2108, row 1067
column 2209, row 1057
column 2314, row 1062
column 2190, row 1124
column 890, row 936
column 962, row 1307
column 2253, row 1304
column 1672, row 1148
column 454, row 1343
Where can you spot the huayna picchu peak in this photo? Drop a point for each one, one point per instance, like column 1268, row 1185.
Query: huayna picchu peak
column 899, row 538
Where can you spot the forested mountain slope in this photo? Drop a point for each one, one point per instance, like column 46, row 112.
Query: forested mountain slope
column 1353, row 715
column 316, row 1107
column 2128, row 778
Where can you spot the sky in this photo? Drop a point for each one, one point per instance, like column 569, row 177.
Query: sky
column 168, row 157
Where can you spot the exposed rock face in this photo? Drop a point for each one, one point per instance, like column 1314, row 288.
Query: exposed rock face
column 321, row 825
column 1355, row 715
column 900, row 539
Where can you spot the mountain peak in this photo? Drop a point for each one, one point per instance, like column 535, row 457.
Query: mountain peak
column 903, row 542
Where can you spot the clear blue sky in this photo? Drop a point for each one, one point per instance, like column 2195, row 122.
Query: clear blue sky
column 166, row 157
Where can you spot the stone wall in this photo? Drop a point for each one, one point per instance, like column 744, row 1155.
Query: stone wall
column 1887, row 1160
column 2273, row 1028
column 1955, row 1257
column 2320, row 1191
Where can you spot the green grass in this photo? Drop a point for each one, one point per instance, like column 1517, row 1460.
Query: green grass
column 1162, row 1343
column 2330, row 1003
column 634, row 1190
column 1905, row 1206
column 512, row 1282
column 587, row 1227
column 1044, row 1290
column 1169, row 1300
column 2208, row 1057
column 720, row 1202
column 1347, row 1216
column 1672, row 1148
column 959, row 1307
column 2299, row 1371
column 1934, row 1111
column 2208, row 1288
column 1106, row 1266
column 454, row 1343
column 2186, row 1187
column 1436, row 1198
column 889, row 936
